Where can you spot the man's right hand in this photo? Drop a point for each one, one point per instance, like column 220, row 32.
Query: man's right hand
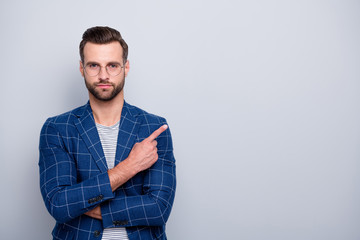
column 142, row 156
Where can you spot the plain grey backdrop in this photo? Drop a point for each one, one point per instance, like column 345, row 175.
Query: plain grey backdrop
column 262, row 97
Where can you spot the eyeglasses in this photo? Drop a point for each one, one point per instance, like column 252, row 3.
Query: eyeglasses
column 93, row 69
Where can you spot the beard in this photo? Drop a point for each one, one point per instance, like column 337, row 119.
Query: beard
column 105, row 94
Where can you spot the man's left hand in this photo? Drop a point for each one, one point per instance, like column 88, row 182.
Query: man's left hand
column 95, row 213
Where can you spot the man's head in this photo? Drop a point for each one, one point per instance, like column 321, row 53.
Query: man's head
column 102, row 35
column 103, row 64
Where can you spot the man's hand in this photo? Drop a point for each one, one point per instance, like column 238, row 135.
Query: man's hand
column 95, row 213
column 142, row 156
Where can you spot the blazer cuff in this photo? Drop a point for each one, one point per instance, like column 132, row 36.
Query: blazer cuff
column 103, row 193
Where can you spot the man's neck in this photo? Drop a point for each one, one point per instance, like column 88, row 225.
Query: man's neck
column 107, row 113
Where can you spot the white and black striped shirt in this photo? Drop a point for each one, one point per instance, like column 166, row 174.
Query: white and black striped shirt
column 108, row 137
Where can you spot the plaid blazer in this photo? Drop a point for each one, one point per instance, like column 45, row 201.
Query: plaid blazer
column 74, row 178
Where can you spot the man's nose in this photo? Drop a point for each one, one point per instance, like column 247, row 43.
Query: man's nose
column 103, row 74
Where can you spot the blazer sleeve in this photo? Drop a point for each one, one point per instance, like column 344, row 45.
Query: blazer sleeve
column 153, row 206
column 66, row 198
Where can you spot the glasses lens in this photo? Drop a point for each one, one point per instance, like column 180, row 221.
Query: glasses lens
column 114, row 69
column 92, row 69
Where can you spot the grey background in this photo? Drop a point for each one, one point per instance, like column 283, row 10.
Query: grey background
column 262, row 98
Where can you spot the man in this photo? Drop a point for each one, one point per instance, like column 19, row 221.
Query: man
column 107, row 169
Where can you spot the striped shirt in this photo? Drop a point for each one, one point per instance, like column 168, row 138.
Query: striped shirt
column 108, row 137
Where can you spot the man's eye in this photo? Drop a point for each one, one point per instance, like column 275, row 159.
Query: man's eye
column 113, row 65
column 93, row 65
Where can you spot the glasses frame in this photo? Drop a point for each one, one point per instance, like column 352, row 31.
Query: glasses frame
column 84, row 67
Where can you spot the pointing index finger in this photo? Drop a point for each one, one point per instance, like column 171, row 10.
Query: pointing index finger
column 157, row 132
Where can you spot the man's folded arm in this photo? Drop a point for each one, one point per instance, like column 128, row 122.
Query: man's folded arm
column 64, row 197
column 153, row 207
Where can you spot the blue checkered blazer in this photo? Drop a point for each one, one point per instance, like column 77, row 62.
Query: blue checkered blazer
column 74, row 179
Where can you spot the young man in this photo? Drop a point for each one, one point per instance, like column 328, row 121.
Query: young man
column 107, row 169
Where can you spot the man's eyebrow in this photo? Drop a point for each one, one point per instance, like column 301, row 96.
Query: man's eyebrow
column 112, row 62
column 92, row 62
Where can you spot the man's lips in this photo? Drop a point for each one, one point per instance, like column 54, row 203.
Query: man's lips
column 104, row 86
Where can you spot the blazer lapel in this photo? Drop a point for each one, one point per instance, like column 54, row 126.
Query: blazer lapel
column 128, row 130
column 85, row 124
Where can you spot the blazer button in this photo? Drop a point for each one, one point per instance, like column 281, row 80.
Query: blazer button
column 120, row 223
column 97, row 233
column 100, row 197
column 124, row 223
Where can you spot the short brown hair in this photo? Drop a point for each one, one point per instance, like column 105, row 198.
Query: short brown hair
column 102, row 35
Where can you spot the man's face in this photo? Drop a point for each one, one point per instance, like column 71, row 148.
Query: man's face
column 104, row 87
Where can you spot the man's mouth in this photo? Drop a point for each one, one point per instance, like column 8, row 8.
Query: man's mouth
column 103, row 86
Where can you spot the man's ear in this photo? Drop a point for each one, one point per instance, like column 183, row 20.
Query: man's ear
column 127, row 67
column 81, row 68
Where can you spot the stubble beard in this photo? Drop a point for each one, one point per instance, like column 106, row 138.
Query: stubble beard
column 103, row 94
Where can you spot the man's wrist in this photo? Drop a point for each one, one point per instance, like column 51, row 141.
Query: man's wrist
column 121, row 173
column 129, row 167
